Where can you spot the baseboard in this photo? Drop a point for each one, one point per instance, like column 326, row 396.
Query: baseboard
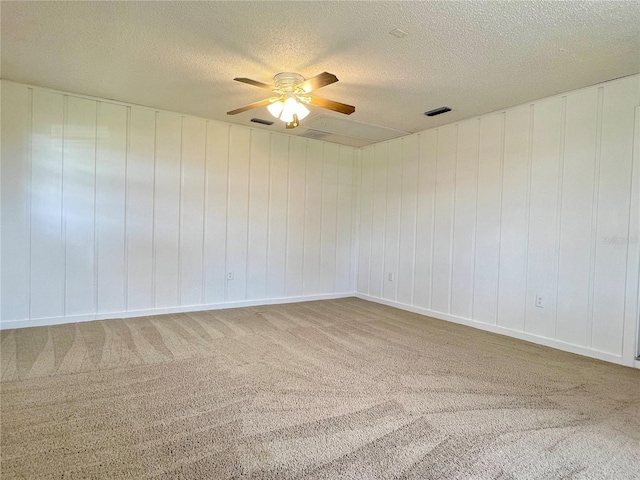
column 548, row 342
column 39, row 322
column 567, row 347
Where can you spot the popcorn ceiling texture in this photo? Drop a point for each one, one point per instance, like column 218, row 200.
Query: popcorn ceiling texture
column 475, row 57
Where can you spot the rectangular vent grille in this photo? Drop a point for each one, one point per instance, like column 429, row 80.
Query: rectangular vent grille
column 261, row 121
column 315, row 134
column 437, row 111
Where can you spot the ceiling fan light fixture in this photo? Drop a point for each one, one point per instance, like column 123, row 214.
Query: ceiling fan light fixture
column 290, row 108
column 291, row 89
column 301, row 110
column 276, row 108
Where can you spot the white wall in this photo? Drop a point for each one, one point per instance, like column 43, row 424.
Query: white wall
column 473, row 220
column 111, row 209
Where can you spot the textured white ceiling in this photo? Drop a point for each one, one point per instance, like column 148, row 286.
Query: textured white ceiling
column 475, row 57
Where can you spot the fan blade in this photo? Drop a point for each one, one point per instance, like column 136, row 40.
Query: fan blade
column 255, row 83
column 331, row 105
column 261, row 103
column 319, row 81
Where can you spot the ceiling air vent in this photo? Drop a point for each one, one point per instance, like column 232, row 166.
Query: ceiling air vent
column 261, row 121
column 437, row 111
column 315, row 134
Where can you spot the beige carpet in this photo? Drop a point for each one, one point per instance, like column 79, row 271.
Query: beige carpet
column 329, row 389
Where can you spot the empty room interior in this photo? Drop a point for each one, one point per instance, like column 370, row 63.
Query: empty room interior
column 323, row 240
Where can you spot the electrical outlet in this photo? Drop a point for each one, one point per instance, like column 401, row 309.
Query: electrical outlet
column 539, row 301
column 230, row 276
column 390, row 277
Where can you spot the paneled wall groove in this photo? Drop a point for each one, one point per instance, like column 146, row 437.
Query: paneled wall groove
column 126, row 218
column 433, row 220
column 556, row 286
column 226, row 224
column 180, row 216
column 415, row 235
column 452, row 231
column 63, row 223
column 286, row 237
column 400, row 212
column 153, row 222
column 29, row 198
column 266, row 247
column 532, row 120
column 594, row 216
column 502, row 147
column 472, row 266
column 205, row 193
column 322, row 195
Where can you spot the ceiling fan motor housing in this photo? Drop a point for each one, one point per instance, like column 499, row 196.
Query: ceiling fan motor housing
column 286, row 81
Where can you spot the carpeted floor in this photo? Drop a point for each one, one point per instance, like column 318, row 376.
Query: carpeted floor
column 328, row 389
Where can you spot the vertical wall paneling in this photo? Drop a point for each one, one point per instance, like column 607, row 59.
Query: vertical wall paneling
column 366, row 219
column 15, row 201
column 192, row 210
column 443, row 219
column 47, row 249
column 462, row 272
column 542, row 221
column 328, row 226
column 278, row 205
column 594, row 216
column 111, row 209
column 258, row 215
column 631, row 345
column 238, row 212
column 376, row 275
column 296, row 216
column 355, row 219
column 313, row 214
column 111, row 159
column 540, row 200
column 216, row 204
column 487, row 235
column 616, row 156
column 167, row 209
column 78, row 182
column 344, row 221
column 140, row 209
column 408, row 220
column 392, row 222
column 513, row 232
column 577, row 191
column 424, row 226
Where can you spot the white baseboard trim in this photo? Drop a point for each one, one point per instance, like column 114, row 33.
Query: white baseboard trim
column 39, row 322
column 567, row 347
column 548, row 342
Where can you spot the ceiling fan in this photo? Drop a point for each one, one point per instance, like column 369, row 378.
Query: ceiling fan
column 292, row 93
